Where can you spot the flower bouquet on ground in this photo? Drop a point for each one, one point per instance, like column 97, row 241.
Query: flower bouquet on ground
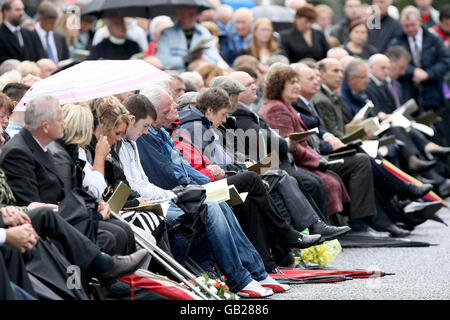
column 216, row 286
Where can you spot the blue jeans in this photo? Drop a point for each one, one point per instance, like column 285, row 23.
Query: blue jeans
column 224, row 242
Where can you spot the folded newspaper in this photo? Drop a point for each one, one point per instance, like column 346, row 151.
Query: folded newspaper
column 203, row 43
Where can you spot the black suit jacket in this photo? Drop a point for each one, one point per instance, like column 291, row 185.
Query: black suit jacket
column 10, row 48
column 61, row 46
column 313, row 121
column 382, row 98
column 435, row 60
column 30, row 172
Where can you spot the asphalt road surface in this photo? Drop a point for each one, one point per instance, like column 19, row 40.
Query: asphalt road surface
column 420, row 273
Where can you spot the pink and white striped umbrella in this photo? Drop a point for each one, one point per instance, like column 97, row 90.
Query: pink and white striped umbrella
column 94, row 79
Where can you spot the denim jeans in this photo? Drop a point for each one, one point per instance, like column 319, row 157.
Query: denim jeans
column 224, row 241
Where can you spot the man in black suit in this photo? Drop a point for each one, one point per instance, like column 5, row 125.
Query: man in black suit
column 28, row 166
column 53, row 45
column 16, row 42
column 430, row 61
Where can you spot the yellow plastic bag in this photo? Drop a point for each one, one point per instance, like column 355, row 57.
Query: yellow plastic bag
column 322, row 254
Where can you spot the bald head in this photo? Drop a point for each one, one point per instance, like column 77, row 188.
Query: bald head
column 243, row 19
column 331, row 73
column 47, row 67
column 379, row 66
column 337, row 53
column 249, row 95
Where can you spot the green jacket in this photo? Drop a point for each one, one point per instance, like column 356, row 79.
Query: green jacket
column 6, row 195
column 331, row 112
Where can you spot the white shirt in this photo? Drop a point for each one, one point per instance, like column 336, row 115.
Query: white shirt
column 43, row 37
column 136, row 176
column 40, row 145
column 93, row 180
column 376, row 80
column 2, row 236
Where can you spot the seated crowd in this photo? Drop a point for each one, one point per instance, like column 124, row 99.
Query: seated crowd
column 225, row 108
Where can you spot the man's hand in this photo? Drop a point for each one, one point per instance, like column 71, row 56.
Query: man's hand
column 355, row 121
column 216, row 171
column 335, row 142
column 14, row 217
column 22, row 237
column 383, row 116
column 248, row 164
column 35, row 205
column 144, row 202
column 420, row 75
column 104, row 209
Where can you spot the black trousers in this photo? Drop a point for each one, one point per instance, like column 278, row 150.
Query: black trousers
column 12, row 269
column 258, row 217
column 312, row 187
column 76, row 247
column 115, row 237
column 356, row 172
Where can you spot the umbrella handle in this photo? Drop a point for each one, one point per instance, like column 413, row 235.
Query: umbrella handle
column 149, row 246
column 98, row 116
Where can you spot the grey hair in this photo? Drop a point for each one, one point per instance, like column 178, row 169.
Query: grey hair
column 157, row 20
column 154, row 94
column 352, row 67
column 8, row 65
column 409, row 11
column 39, row 110
column 224, row 10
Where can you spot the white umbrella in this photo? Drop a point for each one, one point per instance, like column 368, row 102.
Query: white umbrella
column 94, row 79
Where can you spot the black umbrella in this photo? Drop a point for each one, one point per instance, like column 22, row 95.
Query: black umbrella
column 141, row 8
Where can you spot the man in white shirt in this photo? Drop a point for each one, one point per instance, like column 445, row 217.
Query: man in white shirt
column 53, row 43
column 233, row 252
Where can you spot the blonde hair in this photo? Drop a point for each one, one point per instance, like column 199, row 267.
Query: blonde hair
column 111, row 112
column 254, row 47
column 29, row 67
column 30, row 79
column 78, row 124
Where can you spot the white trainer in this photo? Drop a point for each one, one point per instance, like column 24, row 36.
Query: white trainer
column 255, row 290
column 273, row 284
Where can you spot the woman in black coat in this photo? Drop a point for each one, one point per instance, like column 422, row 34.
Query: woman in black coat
column 302, row 41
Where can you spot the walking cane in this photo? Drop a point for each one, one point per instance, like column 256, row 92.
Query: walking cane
column 155, row 251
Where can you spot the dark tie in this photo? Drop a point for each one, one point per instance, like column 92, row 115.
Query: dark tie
column 49, row 48
column 417, row 55
column 17, row 34
column 312, row 109
column 395, row 94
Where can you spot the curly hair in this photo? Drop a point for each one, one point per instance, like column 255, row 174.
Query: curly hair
column 214, row 98
column 276, row 81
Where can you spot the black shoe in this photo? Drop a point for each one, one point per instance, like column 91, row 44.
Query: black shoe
column 414, row 191
column 298, row 240
column 416, row 165
column 275, row 270
column 419, row 212
column 124, row 265
column 327, row 232
column 396, row 232
column 444, row 188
